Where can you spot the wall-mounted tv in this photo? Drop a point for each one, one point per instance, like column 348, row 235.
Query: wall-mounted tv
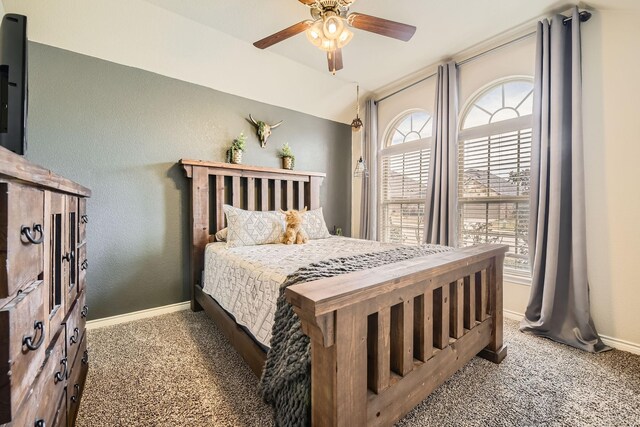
column 13, row 83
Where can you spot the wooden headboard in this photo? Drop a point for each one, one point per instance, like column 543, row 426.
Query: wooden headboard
column 215, row 184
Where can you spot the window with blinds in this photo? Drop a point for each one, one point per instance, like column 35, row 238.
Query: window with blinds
column 494, row 164
column 404, row 170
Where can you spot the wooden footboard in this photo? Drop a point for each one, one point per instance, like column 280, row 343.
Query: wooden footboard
column 383, row 339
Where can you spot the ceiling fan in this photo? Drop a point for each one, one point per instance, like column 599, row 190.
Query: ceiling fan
column 328, row 30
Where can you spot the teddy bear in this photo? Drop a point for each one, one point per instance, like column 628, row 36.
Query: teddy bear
column 294, row 234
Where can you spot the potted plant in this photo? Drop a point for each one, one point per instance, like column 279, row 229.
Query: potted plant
column 237, row 147
column 288, row 159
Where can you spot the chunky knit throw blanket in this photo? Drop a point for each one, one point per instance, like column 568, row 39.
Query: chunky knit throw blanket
column 286, row 379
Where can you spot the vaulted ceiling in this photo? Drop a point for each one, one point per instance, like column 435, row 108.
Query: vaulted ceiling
column 444, row 28
column 209, row 42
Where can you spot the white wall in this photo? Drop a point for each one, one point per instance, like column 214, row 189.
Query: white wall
column 356, row 184
column 611, row 70
column 517, row 59
column 611, row 66
column 420, row 96
column 141, row 35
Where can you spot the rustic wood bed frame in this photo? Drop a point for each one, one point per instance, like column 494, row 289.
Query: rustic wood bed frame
column 381, row 339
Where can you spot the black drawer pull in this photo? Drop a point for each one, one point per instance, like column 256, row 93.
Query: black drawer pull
column 85, row 357
column 84, row 311
column 66, row 257
column 28, row 341
column 40, row 423
column 26, row 232
column 84, row 219
column 76, row 393
column 84, row 265
column 75, row 336
column 61, row 374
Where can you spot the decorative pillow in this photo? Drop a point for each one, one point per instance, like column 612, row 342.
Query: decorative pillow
column 248, row 228
column 313, row 224
column 221, row 236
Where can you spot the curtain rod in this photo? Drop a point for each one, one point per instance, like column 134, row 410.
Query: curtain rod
column 406, row 87
column 500, row 46
column 584, row 17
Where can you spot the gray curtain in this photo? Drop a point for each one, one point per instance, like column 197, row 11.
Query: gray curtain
column 559, row 303
column 440, row 210
column 369, row 198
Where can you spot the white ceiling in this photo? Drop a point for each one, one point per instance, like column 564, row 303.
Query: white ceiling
column 444, row 28
column 209, row 42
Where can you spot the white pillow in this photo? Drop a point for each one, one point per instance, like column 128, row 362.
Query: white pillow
column 313, row 224
column 249, row 228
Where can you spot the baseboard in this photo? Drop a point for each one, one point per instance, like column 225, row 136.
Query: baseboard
column 137, row 315
column 610, row 341
column 621, row 344
column 513, row 315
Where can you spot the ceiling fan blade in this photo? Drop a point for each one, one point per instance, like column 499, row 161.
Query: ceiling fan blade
column 283, row 35
column 381, row 26
column 307, row 2
column 335, row 60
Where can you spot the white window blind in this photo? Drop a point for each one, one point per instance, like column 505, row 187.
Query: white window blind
column 404, row 187
column 494, row 164
column 493, row 194
column 404, row 166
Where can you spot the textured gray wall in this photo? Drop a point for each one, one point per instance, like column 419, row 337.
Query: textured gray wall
column 120, row 131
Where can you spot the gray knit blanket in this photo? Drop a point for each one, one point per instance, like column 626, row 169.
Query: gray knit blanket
column 286, row 378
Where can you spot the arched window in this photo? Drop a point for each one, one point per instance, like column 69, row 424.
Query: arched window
column 410, row 127
column 494, row 162
column 503, row 101
column 404, row 169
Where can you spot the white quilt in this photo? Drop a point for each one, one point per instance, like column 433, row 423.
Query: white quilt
column 245, row 281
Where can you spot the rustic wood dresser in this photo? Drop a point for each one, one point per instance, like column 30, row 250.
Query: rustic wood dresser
column 43, row 347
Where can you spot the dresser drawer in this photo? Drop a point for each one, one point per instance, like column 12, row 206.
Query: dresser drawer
column 74, row 327
column 47, row 398
column 61, row 416
column 83, row 219
column 22, row 222
column 23, row 338
column 76, row 382
column 83, row 265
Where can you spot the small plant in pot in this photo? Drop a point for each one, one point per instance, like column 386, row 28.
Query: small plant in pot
column 234, row 154
column 288, row 159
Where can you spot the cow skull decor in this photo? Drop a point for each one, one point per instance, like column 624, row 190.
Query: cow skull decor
column 263, row 130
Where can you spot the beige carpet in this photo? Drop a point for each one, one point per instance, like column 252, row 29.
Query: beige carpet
column 178, row 370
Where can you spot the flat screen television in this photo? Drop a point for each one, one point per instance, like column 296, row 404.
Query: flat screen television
column 13, row 83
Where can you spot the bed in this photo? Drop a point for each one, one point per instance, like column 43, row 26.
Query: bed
column 381, row 339
column 245, row 281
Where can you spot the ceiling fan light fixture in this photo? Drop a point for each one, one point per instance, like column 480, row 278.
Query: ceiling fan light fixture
column 328, row 45
column 314, row 34
column 332, row 26
column 328, row 29
column 344, row 38
column 329, row 34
